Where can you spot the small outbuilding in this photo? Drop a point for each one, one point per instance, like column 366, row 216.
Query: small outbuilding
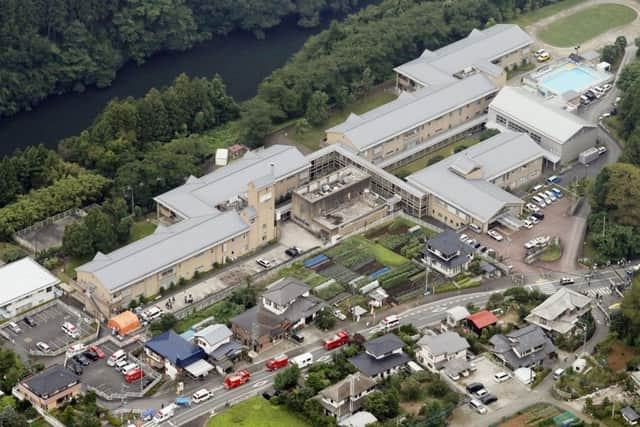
column 630, row 415
column 480, row 320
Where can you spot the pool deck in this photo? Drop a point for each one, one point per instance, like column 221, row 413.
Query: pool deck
column 565, row 76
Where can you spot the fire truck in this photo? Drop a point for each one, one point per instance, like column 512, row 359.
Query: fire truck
column 341, row 338
column 236, row 379
column 277, row 362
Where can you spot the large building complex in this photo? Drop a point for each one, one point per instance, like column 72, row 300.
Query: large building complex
column 470, row 187
column 415, row 117
column 491, row 51
column 561, row 133
column 209, row 221
column 25, row 284
column 445, row 95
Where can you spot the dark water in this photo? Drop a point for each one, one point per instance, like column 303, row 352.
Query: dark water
column 241, row 60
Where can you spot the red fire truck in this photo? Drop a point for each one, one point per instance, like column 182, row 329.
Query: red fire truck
column 133, row 375
column 277, row 362
column 236, row 379
column 341, row 338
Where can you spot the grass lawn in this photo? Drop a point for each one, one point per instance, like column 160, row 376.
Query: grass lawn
column 140, row 229
column 311, row 138
column 544, row 12
column 256, row 412
column 552, row 253
column 423, row 162
column 586, row 24
column 70, row 266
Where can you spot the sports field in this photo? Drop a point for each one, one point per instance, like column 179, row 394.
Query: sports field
column 586, row 24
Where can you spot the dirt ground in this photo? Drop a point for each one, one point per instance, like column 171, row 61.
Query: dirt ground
column 619, row 356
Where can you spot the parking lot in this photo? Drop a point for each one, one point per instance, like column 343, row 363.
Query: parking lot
column 507, row 392
column 106, row 378
column 48, row 329
column 556, row 222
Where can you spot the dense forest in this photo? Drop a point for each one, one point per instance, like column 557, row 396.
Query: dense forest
column 138, row 148
column 54, row 46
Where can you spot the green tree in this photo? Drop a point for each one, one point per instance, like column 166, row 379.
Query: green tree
column 287, row 378
column 325, row 320
column 317, row 108
column 382, row 404
column 256, row 119
column 77, row 240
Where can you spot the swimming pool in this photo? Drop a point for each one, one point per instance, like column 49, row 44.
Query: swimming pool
column 571, row 77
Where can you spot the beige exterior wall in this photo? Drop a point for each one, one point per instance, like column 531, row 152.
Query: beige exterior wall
column 52, row 402
column 262, row 229
column 419, row 134
column 515, row 59
column 520, row 176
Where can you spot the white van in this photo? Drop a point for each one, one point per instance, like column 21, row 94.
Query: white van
column 202, row 395
column 120, row 364
column 75, row 349
column 164, row 414
column 128, row 366
column 539, row 201
column 544, row 197
column 70, row 329
column 14, row 327
column 116, row 357
column 475, row 228
column 478, row 406
column 151, row 313
column 390, row 322
column 303, row 360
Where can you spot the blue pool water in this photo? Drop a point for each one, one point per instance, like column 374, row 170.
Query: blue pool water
column 565, row 80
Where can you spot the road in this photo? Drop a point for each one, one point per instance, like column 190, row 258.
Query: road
column 430, row 313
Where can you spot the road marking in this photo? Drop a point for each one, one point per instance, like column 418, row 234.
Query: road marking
column 259, row 383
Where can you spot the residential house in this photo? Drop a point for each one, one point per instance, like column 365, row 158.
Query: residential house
column 345, row 397
column 446, row 254
column 523, row 348
column 560, row 313
column 286, row 305
column 221, row 348
column 174, row 355
column 436, row 350
column 49, row 388
column 453, row 317
column 630, row 415
column 481, row 320
column 382, row 357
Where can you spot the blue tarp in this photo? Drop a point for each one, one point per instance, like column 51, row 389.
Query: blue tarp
column 148, row 414
column 315, row 261
column 380, row 272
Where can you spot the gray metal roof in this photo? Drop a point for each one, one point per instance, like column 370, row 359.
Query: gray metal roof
column 448, row 342
column 478, row 197
column 478, row 49
column 537, row 114
column 285, row 291
column 630, row 414
column 199, row 196
column 213, row 334
column 448, row 243
column 411, row 110
column 371, row 366
column 165, row 247
column 564, row 299
column 383, row 345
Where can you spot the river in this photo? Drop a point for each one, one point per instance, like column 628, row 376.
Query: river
column 241, row 60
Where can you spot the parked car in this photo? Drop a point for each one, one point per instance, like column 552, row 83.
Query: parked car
column 81, row 359
column 97, row 351
column 602, row 149
column 30, row 321
column 464, row 237
column 527, row 224
column 497, row 236
column 264, row 263
column 558, row 373
column 530, row 244
column 534, row 220
column 43, row 347
column 550, row 194
column 477, row 406
column 531, row 207
column 14, row 327
column 339, row 314
column 557, row 192
column 538, row 215
column 539, row 52
column 544, row 57
column 293, row 252
column 90, row 355
column 74, row 367
column 473, row 387
column 488, row 399
column 501, row 377
column 605, row 87
column 554, row 179
column 481, row 393
column 471, row 242
column 297, row 338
